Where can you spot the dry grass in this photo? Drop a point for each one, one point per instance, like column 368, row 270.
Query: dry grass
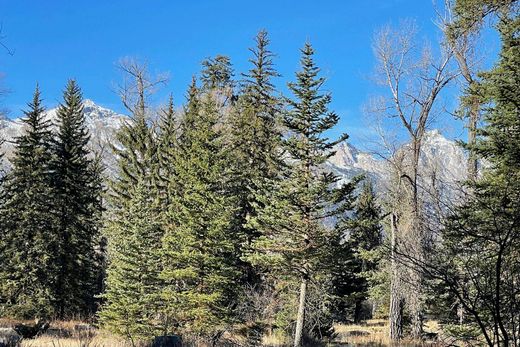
column 97, row 341
column 64, row 334
column 274, row 340
column 375, row 333
column 369, row 334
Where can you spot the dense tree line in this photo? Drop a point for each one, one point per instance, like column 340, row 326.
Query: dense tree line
column 215, row 203
column 225, row 198
column 223, row 217
column 50, row 216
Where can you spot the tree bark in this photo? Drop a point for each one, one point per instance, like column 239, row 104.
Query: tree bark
column 396, row 302
column 298, row 334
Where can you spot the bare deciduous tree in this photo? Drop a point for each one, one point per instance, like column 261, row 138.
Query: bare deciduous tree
column 137, row 85
column 413, row 78
column 2, row 41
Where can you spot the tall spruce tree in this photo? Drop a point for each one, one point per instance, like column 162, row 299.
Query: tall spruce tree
column 29, row 243
column 77, row 200
column 167, row 145
column 291, row 213
column 255, row 139
column 198, row 245
column 133, row 287
column 217, row 73
column 132, row 226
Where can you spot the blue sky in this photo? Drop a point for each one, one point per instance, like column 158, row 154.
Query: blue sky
column 56, row 40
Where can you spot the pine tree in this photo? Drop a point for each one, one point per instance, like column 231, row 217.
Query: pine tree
column 132, row 298
column 291, row 213
column 198, row 245
column 358, row 256
column 133, row 229
column 217, row 73
column 29, row 243
column 478, row 262
column 166, row 153
column 254, row 140
column 217, row 81
column 78, row 208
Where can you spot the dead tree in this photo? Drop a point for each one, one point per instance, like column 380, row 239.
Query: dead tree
column 137, row 86
column 413, row 79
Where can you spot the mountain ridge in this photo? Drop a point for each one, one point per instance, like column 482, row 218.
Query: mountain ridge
column 438, row 152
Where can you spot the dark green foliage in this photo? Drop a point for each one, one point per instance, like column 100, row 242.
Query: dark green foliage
column 133, row 228
column 480, row 261
column 76, row 182
column 198, row 245
column 291, row 212
column 358, row 256
column 217, row 73
column 132, row 298
column 254, row 142
column 470, row 14
column 137, row 156
column 29, row 243
column 166, row 153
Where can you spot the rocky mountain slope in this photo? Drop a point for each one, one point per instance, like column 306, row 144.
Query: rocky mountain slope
column 101, row 122
column 444, row 157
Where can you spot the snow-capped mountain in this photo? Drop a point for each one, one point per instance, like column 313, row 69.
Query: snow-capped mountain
column 101, row 122
column 442, row 156
column 441, row 159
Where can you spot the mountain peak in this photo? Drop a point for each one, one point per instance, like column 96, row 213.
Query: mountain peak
column 346, row 154
column 89, row 103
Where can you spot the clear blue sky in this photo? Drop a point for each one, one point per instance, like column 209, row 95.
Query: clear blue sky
column 56, row 40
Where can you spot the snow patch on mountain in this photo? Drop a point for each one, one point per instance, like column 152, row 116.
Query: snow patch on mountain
column 101, row 122
column 443, row 158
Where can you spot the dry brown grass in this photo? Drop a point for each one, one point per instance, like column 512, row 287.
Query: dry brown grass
column 66, row 336
column 375, row 333
column 96, row 341
column 371, row 333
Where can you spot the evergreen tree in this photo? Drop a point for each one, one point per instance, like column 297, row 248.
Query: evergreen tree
column 133, row 230
column 478, row 262
column 77, row 200
column 217, row 81
column 254, row 140
column 217, row 73
column 291, row 213
column 358, row 257
column 29, row 243
column 198, row 245
column 166, row 153
column 132, row 294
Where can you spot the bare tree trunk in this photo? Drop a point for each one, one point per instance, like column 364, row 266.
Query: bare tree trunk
column 298, row 334
column 416, row 305
column 396, row 301
column 414, row 85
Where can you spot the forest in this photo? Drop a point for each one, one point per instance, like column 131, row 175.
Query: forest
column 223, row 226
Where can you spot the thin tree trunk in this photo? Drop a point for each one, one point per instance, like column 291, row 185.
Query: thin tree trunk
column 396, row 302
column 298, row 334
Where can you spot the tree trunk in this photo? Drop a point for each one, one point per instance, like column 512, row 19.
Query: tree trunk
column 298, row 334
column 396, row 302
column 417, row 323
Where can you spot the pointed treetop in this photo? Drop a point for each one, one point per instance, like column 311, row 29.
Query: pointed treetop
column 217, row 73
